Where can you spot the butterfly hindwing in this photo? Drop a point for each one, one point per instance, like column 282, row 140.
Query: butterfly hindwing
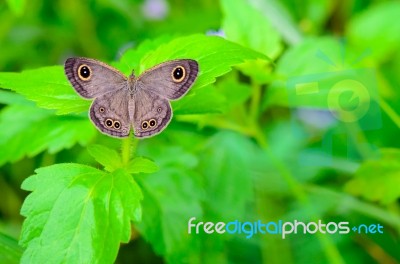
column 110, row 115
column 152, row 114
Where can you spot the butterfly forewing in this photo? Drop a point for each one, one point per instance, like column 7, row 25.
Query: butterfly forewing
column 170, row 79
column 92, row 78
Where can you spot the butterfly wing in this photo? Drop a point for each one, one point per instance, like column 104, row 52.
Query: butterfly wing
column 95, row 79
column 155, row 87
column 91, row 78
column 171, row 79
column 152, row 113
column 110, row 114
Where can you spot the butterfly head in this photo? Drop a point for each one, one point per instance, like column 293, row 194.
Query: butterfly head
column 132, row 76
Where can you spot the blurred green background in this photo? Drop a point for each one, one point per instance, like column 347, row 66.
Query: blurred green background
column 270, row 154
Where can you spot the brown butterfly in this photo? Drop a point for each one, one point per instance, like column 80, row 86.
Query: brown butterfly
column 122, row 103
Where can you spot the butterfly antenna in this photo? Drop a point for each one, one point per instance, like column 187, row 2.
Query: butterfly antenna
column 121, row 53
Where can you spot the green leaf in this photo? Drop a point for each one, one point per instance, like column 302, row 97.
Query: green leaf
column 201, row 101
column 17, row 6
column 172, row 156
column 172, row 196
column 259, row 71
column 78, row 213
column 378, row 180
column 226, row 167
column 7, row 97
column 132, row 57
column 10, row 251
column 245, row 25
column 142, row 164
column 48, row 87
column 317, row 55
column 280, row 15
column 166, row 210
column 374, row 30
column 112, row 161
column 107, row 157
column 236, row 93
column 31, row 130
column 215, row 56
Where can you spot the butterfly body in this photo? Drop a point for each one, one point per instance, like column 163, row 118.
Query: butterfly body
column 121, row 103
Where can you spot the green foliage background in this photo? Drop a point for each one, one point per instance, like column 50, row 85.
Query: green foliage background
column 241, row 146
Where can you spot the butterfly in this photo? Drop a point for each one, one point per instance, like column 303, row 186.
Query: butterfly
column 123, row 103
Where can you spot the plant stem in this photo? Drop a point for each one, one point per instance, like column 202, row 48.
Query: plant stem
column 357, row 135
column 255, row 102
column 390, row 112
column 128, row 149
